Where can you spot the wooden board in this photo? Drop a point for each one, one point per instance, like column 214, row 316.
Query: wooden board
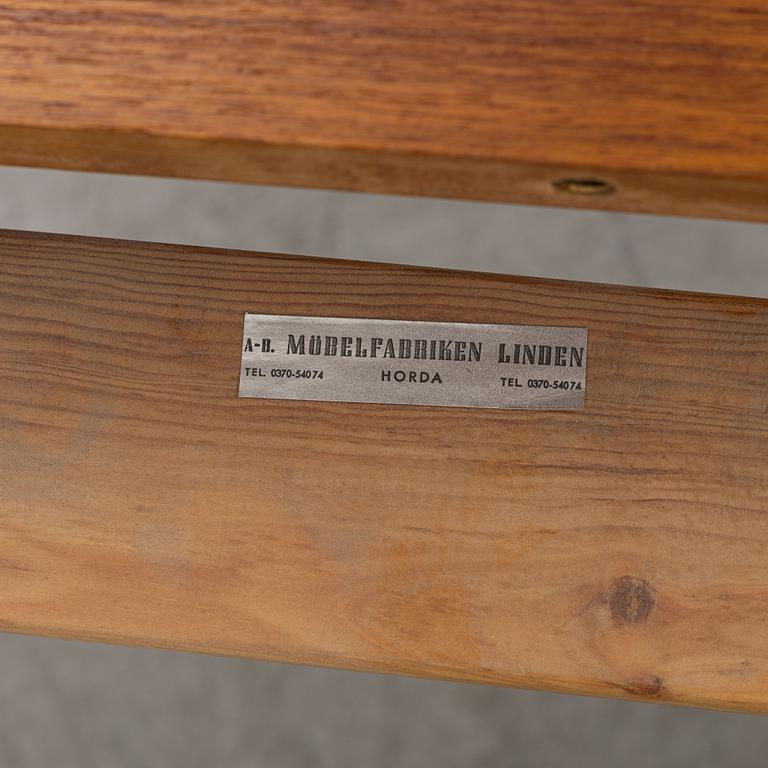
column 621, row 550
column 667, row 102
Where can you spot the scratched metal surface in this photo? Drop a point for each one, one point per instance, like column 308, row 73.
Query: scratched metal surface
column 73, row 704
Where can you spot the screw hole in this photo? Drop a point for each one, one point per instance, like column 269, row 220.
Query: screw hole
column 584, row 186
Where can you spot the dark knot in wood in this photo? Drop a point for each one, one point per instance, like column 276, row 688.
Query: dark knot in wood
column 630, row 600
column 647, row 686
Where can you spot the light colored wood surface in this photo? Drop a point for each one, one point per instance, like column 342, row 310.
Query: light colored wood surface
column 621, row 550
column 666, row 101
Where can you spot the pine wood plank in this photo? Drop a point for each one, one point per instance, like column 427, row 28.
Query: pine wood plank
column 665, row 101
column 621, row 550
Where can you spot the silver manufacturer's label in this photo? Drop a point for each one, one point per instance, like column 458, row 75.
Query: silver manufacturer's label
column 403, row 362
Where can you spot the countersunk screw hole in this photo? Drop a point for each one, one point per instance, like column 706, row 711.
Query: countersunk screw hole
column 583, row 186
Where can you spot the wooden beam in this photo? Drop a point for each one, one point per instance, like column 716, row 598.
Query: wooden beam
column 664, row 102
column 620, row 550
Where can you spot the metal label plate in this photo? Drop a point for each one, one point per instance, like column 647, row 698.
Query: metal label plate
column 404, row 362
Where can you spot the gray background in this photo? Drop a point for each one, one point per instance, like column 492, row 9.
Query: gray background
column 75, row 704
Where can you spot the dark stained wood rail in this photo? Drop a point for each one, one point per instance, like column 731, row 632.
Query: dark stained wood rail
column 665, row 101
column 621, row 550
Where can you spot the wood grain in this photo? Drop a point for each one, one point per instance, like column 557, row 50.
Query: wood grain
column 666, row 101
column 621, row 550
